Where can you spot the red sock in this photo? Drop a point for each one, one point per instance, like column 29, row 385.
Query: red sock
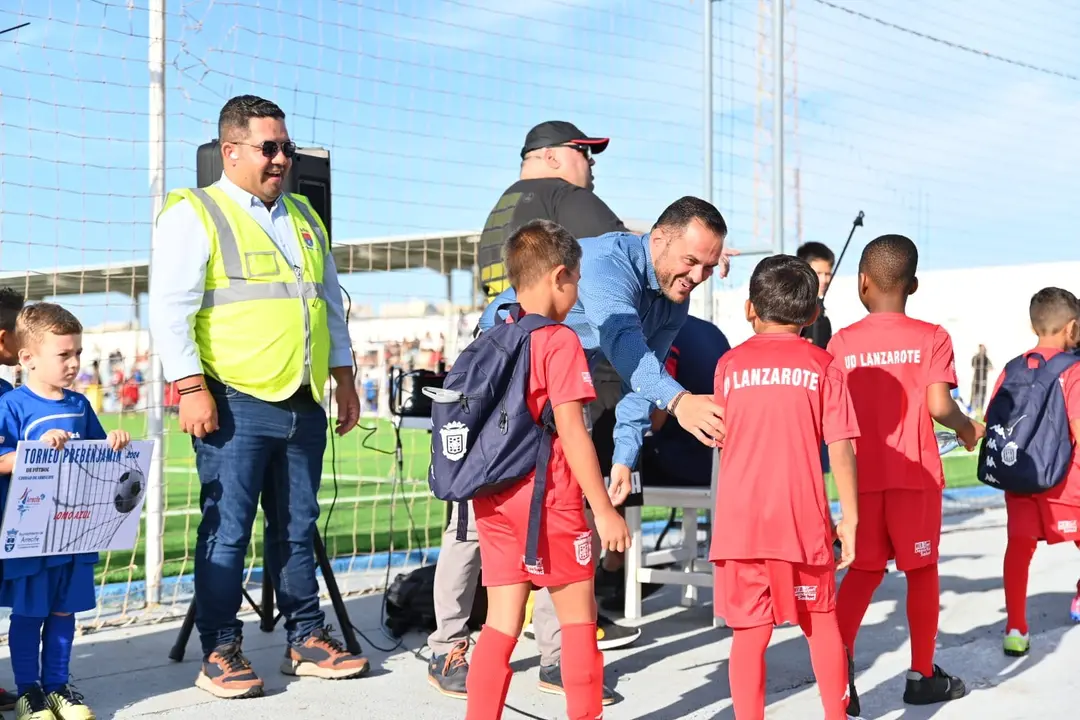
column 1018, row 554
column 489, row 675
column 746, row 671
column 852, row 600
column 582, row 672
column 923, row 608
column 829, row 661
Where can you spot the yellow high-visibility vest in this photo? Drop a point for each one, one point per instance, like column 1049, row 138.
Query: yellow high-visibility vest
column 256, row 310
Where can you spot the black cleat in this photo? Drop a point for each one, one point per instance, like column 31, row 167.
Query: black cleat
column 551, row 682
column 938, row 688
column 853, row 706
column 610, row 635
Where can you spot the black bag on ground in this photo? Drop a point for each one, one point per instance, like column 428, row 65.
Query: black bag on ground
column 410, row 603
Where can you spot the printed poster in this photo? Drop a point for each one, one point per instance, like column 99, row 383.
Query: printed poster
column 84, row 498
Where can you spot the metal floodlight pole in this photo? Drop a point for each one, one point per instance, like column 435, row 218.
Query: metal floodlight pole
column 155, row 397
column 707, row 82
column 778, row 125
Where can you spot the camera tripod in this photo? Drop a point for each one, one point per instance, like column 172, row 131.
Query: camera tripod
column 267, row 617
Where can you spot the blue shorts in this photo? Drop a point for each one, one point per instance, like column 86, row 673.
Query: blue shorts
column 67, row 588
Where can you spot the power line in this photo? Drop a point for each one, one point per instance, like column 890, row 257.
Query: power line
column 17, row 27
column 949, row 43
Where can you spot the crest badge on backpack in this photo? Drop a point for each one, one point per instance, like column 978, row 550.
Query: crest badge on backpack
column 1008, row 454
column 455, row 439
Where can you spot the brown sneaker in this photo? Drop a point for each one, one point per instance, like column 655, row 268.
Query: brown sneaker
column 322, row 656
column 449, row 673
column 227, row 674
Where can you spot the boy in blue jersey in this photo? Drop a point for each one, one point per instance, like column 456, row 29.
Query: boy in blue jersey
column 11, row 302
column 44, row 593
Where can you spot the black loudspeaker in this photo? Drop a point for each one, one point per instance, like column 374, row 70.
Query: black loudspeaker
column 411, row 401
column 310, row 175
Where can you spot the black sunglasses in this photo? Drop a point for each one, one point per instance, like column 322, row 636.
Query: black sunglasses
column 583, row 149
column 270, row 148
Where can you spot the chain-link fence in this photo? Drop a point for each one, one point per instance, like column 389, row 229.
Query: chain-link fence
column 944, row 122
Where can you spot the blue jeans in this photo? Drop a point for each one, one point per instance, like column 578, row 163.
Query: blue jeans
column 276, row 450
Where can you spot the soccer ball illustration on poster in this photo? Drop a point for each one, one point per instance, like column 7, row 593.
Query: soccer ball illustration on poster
column 129, row 490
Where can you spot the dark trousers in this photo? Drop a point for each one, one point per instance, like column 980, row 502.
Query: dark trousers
column 274, row 450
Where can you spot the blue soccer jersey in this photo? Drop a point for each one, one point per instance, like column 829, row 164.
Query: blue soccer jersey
column 24, row 415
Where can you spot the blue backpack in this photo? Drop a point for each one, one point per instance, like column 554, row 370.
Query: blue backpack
column 484, row 439
column 1028, row 447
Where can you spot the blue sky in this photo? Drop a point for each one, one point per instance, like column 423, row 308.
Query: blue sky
column 424, row 105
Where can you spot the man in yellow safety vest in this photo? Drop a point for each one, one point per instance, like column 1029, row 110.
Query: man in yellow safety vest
column 247, row 317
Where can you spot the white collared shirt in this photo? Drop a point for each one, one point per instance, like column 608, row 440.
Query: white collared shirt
column 181, row 250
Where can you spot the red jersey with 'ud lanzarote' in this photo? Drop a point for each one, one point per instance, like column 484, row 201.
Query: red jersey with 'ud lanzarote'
column 782, row 397
column 890, row 360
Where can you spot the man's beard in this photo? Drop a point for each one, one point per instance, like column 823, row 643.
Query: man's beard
column 667, row 285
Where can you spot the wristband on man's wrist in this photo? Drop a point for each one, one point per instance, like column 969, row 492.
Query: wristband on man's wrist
column 675, row 401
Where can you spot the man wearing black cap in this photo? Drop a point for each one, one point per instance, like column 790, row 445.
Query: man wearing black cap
column 555, row 183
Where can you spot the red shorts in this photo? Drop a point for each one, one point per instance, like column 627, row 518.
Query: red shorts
column 565, row 553
column 900, row 524
column 1031, row 516
column 751, row 593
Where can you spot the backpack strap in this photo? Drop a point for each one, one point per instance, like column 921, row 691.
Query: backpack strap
column 528, row 322
column 1046, row 375
column 1061, row 362
column 511, row 309
column 536, row 506
column 532, row 322
column 1057, row 364
column 462, row 521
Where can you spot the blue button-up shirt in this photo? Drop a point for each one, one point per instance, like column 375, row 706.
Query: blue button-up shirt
column 622, row 316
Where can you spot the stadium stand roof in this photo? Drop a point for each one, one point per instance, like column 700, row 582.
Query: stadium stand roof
column 441, row 252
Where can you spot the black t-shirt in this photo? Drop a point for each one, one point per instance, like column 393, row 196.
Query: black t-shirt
column 577, row 209
column 820, row 332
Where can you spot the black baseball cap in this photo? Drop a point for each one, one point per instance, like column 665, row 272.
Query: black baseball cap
column 557, row 132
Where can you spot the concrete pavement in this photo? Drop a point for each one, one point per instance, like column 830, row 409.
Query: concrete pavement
column 676, row 670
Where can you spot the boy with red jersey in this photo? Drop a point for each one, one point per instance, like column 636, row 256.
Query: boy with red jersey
column 1052, row 516
column 542, row 262
column 900, row 372
column 782, row 397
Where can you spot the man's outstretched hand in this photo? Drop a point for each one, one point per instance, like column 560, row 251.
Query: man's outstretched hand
column 702, row 418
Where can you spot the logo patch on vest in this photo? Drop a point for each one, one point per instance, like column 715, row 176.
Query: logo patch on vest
column 455, row 436
column 307, row 239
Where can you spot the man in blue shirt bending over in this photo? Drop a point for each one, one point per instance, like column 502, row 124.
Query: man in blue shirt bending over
column 633, row 300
